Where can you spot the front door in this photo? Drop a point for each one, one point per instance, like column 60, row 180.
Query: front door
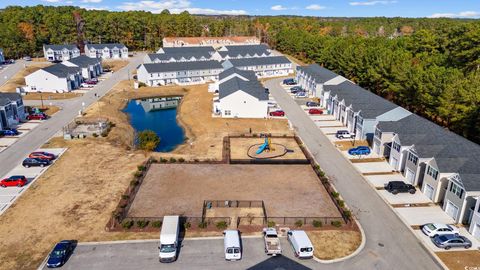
column 410, row 175
column 451, row 210
column 429, row 191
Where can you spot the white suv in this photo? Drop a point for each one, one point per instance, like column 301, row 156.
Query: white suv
column 434, row 229
column 344, row 134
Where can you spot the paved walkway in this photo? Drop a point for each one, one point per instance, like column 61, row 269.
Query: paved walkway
column 390, row 244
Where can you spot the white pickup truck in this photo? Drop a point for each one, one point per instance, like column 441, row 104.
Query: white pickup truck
column 272, row 242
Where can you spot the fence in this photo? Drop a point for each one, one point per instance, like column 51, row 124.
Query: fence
column 290, row 221
column 193, row 221
column 233, row 203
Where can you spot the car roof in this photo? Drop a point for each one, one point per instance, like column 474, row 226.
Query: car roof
column 441, row 225
column 17, row 176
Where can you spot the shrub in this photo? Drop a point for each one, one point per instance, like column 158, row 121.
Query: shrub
column 221, row 225
column 271, row 223
column 134, row 182
column 123, row 205
column 316, row 167
column 347, row 213
column 336, row 223
column 125, row 197
column 187, row 225
column 95, row 135
column 141, row 168
column 321, row 174
column 196, row 160
column 142, row 223
column 148, row 140
column 202, row 225
column 181, row 160
column 104, row 134
column 317, row 223
column 173, row 160
column 340, row 203
column 156, row 224
column 254, row 135
column 335, row 194
column 127, row 224
column 138, row 174
column 163, row 160
column 111, row 124
column 299, row 223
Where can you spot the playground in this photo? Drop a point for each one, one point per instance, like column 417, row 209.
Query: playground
column 284, row 148
column 181, row 189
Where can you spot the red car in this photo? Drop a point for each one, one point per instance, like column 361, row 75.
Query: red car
column 37, row 116
column 14, row 180
column 315, row 111
column 42, row 155
column 277, row 113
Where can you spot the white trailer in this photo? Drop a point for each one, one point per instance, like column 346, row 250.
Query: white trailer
column 169, row 239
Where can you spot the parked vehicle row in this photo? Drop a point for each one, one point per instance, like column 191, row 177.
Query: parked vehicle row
column 35, row 159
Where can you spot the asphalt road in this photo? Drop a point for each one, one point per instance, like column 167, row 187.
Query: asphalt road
column 389, row 243
column 194, row 254
column 15, row 153
column 9, row 70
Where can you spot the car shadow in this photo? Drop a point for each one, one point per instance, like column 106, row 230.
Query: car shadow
column 279, row 263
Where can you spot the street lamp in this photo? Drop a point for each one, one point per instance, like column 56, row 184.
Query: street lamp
column 41, row 98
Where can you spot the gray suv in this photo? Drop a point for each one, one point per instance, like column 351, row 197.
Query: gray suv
column 448, row 241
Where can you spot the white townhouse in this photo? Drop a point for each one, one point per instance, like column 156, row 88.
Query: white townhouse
column 313, row 77
column 240, row 96
column 475, row 221
column 90, row 67
column 54, row 53
column 227, row 74
column 180, row 54
column 263, row 67
column 209, row 41
column 182, row 73
column 57, row 78
column 241, row 51
column 106, row 51
column 2, row 57
column 12, row 110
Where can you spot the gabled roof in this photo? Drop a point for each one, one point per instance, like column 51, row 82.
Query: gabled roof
column 105, row 45
column 189, row 50
column 243, row 50
column 253, row 88
column 178, row 56
column 198, row 40
column 54, row 47
column 182, row 66
column 320, row 74
column 60, row 70
column 247, row 74
column 84, row 61
column 259, row 61
column 7, row 98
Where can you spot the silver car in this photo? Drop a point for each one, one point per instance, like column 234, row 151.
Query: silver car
column 448, row 241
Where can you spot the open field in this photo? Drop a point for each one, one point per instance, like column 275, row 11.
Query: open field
column 239, row 147
column 180, row 189
column 19, row 78
column 334, row 244
column 204, row 133
column 50, row 96
column 114, row 65
column 466, row 259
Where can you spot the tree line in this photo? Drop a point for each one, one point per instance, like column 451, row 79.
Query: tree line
column 429, row 66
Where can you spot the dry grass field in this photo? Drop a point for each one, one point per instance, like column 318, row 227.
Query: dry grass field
column 114, row 65
column 455, row 260
column 333, row 244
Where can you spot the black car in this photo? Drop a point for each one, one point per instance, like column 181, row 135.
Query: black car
column 60, row 253
column 312, row 104
column 35, row 162
column 396, row 187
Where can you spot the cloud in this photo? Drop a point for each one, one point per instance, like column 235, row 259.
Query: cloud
column 372, row 3
column 315, row 7
column 91, row 1
column 87, row 7
column 278, row 8
column 52, row 1
column 175, row 6
column 463, row 14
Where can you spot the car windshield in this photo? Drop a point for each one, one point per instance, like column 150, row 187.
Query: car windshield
column 309, row 249
column 167, row 248
column 57, row 253
column 431, row 227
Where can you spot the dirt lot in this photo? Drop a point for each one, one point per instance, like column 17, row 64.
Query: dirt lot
column 19, row 78
column 456, row 260
column 239, row 147
column 345, row 145
column 50, row 96
column 114, row 65
column 204, row 133
column 334, row 244
column 279, row 186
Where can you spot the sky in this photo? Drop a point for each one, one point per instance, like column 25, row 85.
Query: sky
column 322, row 8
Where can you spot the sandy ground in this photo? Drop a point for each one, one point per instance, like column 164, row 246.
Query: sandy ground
column 180, row 189
column 456, row 260
column 19, row 78
column 114, row 65
column 50, row 110
column 50, row 96
column 204, row 133
column 334, row 244
column 239, row 147
column 345, row 145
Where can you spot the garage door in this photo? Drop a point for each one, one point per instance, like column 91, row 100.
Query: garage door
column 476, row 231
column 410, row 175
column 394, row 163
column 429, row 191
column 451, row 210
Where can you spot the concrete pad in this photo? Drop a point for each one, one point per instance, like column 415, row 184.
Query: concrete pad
column 428, row 242
column 324, row 117
column 7, row 141
column 321, row 124
column 334, row 138
column 381, row 180
column 29, row 125
column 371, row 155
column 373, row 167
column 422, row 215
column 404, row 198
column 6, row 199
column 331, row 130
column 10, row 191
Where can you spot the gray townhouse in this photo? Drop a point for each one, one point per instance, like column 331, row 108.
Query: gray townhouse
column 106, row 51
column 90, row 67
column 197, row 72
column 180, row 54
column 313, row 77
column 241, row 51
column 54, row 53
column 12, row 110
column 358, row 109
column 262, row 66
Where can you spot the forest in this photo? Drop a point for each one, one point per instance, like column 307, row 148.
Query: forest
column 428, row 66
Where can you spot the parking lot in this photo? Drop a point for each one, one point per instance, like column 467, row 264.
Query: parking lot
column 8, row 195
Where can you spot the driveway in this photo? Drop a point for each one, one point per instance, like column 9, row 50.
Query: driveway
column 428, row 242
column 370, row 167
column 382, row 179
column 395, row 248
column 416, row 216
column 404, row 198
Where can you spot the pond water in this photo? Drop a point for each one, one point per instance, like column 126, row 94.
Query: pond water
column 159, row 115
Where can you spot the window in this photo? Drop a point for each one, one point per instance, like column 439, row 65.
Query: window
column 432, row 172
column 396, row 146
column 457, row 190
column 412, row 158
column 378, row 133
column 228, row 112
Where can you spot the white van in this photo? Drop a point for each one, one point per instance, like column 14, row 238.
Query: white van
column 169, row 239
column 301, row 244
column 231, row 241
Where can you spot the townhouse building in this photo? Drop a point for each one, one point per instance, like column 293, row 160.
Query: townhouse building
column 55, row 53
column 106, row 51
column 262, row 66
column 12, row 110
column 313, row 77
column 57, row 78
column 209, row 41
column 180, row 54
column 241, row 51
column 90, row 67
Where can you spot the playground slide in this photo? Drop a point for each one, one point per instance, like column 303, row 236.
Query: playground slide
column 262, row 148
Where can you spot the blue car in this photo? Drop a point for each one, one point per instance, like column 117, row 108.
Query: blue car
column 60, row 253
column 360, row 150
column 9, row 132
